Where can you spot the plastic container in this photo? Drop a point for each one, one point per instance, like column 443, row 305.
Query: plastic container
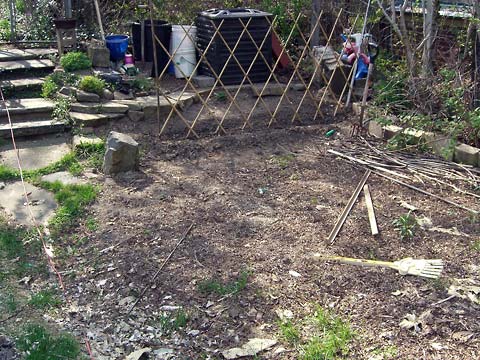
column 129, row 59
column 163, row 31
column 230, row 23
column 117, row 44
column 183, row 46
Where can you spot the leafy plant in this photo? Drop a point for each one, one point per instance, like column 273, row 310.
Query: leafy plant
column 406, row 225
column 61, row 111
column 38, row 343
column 49, row 88
column 92, row 153
column 332, row 339
column 55, row 81
column 141, row 83
column 213, row 286
column 289, row 332
column 92, row 84
column 75, row 60
column 5, row 29
column 170, row 323
column 44, row 299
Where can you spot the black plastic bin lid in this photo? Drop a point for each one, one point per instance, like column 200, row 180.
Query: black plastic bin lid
column 233, row 13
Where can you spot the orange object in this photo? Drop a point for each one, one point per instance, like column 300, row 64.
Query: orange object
column 277, row 49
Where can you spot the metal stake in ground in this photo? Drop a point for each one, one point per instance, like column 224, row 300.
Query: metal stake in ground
column 160, row 269
column 343, row 216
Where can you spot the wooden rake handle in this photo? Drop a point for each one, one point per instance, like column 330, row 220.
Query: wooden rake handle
column 358, row 262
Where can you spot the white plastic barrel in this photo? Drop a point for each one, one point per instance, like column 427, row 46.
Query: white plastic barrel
column 186, row 56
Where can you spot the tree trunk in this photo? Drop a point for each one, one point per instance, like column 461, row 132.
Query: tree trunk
column 430, row 26
column 316, row 9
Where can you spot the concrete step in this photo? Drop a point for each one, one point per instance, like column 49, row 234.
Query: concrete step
column 32, row 128
column 26, row 54
column 19, row 85
column 26, row 65
column 26, row 110
column 108, row 107
column 94, row 120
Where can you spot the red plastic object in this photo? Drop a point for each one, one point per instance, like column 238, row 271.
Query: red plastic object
column 277, row 50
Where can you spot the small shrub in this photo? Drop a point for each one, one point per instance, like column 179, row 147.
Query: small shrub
column 75, row 60
column 213, row 286
column 55, row 81
column 92, row 84
column 406, row 225
column 142, row 84
column 4, row 29
column 49, row 89
column 173, row 322
column 61, row 111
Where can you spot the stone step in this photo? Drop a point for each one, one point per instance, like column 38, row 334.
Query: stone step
column 26, row 110
column 26, row 65
column 26, row 54
column 32, row 128
column 94, row 120
column 108, row 107
column 19, row 85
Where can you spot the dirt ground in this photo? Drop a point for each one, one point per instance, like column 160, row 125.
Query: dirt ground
column 263, row 202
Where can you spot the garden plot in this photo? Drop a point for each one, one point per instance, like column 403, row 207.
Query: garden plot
column 261, row 205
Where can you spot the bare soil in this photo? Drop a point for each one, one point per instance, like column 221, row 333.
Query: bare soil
column 256, row 206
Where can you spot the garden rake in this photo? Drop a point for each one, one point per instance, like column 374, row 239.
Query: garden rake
column 431, row 269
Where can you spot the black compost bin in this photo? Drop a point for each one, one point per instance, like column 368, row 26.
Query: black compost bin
column 163, row 31
column 230, row 23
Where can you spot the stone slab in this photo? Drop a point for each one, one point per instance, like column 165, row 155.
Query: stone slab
column 85, row 139
column 94, row 120
column 26, row 109
column 22, row 84
column 99, row 108
column 26, row 54
column 391, row 130
column 466, row 154
column 270, row 90
column 22, row 65
column 42, row 203
column 63, row 177
column 441, row 145
column 203, row 81
column 35, row 153
column 32, row 128
column 375, row 129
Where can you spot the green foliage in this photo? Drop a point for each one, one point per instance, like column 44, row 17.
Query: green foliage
column 45, row 299
column 283, row 161
column 92, row 84
column 73, row 200
column 286, row 13
column 141, row 83
column 38, row 343
column 476, row 245
column 61, row 111
column 332, row 339
column 220, row 96
column 385, row 353
column 173, row 322
column 406, row 225
column 6, row 173
column 213, row 286
column 55, row 81
column 91, row 153
column 75, row 60
column 405, row 141
column 289, row 332
column 91, row 224
column 5, row 30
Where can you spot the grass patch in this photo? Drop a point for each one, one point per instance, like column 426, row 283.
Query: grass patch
column 72, row 200
column 38, row 343
column 91, row 153
column 45, row 299
column 476, row 245
column 213, row 286
column 91, row 224
column 283, row 161
column 386, row 353
column 290, row 333
column 331, row 340
column 8, row 301
column 173, row 322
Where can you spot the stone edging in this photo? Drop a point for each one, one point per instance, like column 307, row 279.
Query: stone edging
column 442, row 145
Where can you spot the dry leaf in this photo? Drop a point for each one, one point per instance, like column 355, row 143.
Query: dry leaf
column 465, row 289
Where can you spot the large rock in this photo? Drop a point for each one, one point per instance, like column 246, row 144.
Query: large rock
column 121, row 154
column 83, row 96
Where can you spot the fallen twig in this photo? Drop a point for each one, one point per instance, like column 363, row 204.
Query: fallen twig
column 160, row 269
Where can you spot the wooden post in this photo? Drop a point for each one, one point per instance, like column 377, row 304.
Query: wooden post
column 316, row 9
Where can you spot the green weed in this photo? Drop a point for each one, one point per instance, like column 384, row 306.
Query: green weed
column 289, row 332
column 476, row 245
column 72, row 199
column 38, row 343
column 45, row 299
column 9, row 302
column 220, row 96
column 213, row 286
column 173, row 322
column 91, row 153
column 333, row 337
column 61, row 111
column 406, row 225
column 283, row 161
column 386, row 353
column 91, row 224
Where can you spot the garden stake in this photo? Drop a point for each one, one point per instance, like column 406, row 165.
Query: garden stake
column 371, row 211
column 160, row 269
column 343, row 216
column 430, row 269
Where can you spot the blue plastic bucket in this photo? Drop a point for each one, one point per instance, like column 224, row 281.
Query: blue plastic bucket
column 117, row 44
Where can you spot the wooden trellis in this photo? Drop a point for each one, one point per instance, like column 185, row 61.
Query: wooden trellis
column 289, row 101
